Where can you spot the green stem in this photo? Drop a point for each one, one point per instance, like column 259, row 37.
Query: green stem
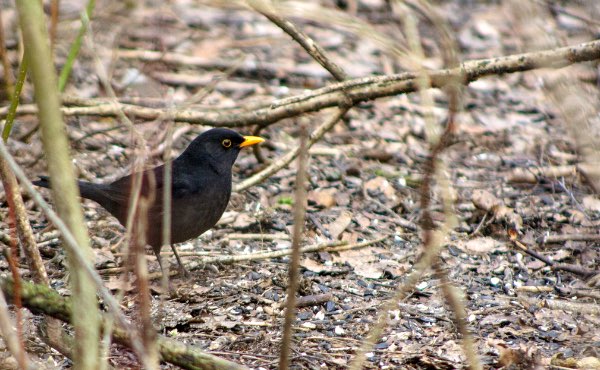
column 76, row 46
column 14, row 102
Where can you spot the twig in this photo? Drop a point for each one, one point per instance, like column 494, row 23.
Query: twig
column 319, row 225
column 579, row 270
column 330, row 247
column 562, row 291
column 358, row 90
column 11, row 338
column 147, row 331
column 554, row 304
column 311, row 47
column 53, row 332
column 11, row 257
column 279, row 236
column 71, row 244
column 533, row 175
column 54, row 11
column 401, row 221
column 11, row 110
column 559, row 9
column 294, row 265
column 430, row 254
column 313, row 300
column 455, row 301
column 8, row 76
column 86, row 318
column 432, row 168
column 292, row 154
column 28, row 243
column 248, row 68
column 86, row 16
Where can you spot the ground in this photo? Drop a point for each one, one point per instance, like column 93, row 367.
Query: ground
column 363, row 185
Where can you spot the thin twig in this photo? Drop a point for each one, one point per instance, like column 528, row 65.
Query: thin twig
column 262, row 237
column 11, row 110
column 9, row 80
column 86, row 16
column 299, row 215
column 71, row 245
column 330, row 247
column 430, row 254
column 10, row 337
column 550, row 239
column 28, row 243
column 311, row 47
column 575, row 269
column 147, row 331
column 86, row 318
column 292, row 154
column 11, row 255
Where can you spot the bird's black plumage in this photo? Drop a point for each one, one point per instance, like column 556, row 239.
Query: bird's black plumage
column 201, row 187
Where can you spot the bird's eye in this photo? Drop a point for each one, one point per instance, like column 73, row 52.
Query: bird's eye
column 226, row 143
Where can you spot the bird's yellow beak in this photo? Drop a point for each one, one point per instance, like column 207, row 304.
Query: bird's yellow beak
column 251, row 140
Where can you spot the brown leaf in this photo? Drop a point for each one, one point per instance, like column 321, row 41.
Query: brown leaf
column 591, row 203
column 479, row 245
column 485, row 200
column 315, row 266
column 365, row 262
column 323, row 197
column 340, row 224
column 381, row 184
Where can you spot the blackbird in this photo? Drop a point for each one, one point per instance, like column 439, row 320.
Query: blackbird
column 200, row 190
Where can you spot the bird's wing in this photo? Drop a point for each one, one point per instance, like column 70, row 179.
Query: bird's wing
column 182, row 186
column 152, row 180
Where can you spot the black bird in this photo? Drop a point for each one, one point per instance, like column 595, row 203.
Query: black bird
column 200, row 190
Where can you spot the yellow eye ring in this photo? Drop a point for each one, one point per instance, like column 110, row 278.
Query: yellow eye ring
column 226, row 143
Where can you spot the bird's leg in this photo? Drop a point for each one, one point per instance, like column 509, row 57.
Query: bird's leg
column 181, row 266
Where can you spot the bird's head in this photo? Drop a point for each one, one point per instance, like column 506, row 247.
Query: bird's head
column 218, row 147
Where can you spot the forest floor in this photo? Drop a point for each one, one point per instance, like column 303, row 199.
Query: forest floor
column 512, row 149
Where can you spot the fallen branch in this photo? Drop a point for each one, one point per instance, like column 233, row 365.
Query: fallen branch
column 329, row 247
column 534, row 175
column 43, row 300
column 313, row 300
column 554, row 304
column 585, row 273
column 550, row 239
column 339, row 94
column 71, row 244
column 269, row 237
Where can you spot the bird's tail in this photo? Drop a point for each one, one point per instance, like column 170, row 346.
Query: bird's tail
column 44, row 182
column 87, row 190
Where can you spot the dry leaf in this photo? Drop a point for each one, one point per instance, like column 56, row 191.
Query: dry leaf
column 315, row 266
column 381, row 184
column 591, row 203
column 323, row 197
column 243, row 221
column 365, row 262
column 479, row 245
column 339, row 225
column 486, row 201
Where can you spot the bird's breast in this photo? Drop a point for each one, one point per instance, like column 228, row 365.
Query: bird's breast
column 196, row 212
